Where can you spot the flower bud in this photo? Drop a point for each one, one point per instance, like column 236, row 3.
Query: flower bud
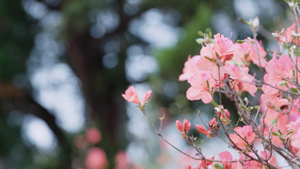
column 201, row 129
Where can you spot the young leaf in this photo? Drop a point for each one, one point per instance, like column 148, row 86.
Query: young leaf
column 279, row 132
column 218, row 166
column 273, row 122
column 275, row 134
column 290, row 132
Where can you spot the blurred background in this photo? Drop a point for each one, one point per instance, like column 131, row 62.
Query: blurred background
column 65, row 64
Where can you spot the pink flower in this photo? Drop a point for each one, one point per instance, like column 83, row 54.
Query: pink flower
column 286, row 36
column 190, row 68
column 283, row 66
column 238, row 72
column 246, row 133
column 183, row 127
column 201, row 129
column 93, row 135
column 224, row 114
column 225, row 156
column 206, row 163
column 223, row 48
column 121, row 160
column 146, row 97
column 199, row 89
column 247, row 53
column 212, row 122
column 96, row 159
column 210, row 66
column 131, row 95
column 242, row 80
column 272, row 160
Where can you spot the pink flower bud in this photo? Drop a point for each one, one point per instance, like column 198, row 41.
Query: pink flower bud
column 121, row 160
column 146, row 97
column 93, row 135
column 201, row 129
column 131, row 95
column 186, row 125
column 212, row 122
column 179, row 126
column 96, row 158
column 183, row 127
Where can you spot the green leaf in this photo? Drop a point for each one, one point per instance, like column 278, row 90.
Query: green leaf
column 243, row 107
column 208, row 31
column 273, row 122
column 200, row 33
column 257, row 107
column 209, row 59
column 279, row 132
column 214, row 103
column 286, row 46
column 290, row 132
column 275, row 134
column 200, row 40
column 218, row 166
column 240, row 41
column 207, row 84
column 242, row 20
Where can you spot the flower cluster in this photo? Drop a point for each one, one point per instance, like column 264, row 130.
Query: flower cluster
column 222, row 66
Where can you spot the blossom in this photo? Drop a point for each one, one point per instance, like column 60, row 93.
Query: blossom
column 246, row 133
column 283, row 66
column 131, row 96
column 224, row 114
column 93, row 135
column 286, row 36
column 271, row 160
column 206, row 163
column 96, row 159
column 190, row 68
column 226, row 157
column 212, row 123
column 209, row 65
column 242, row 81
column 122, row 161
column 199, row 87
column 201, row 129
column 223, row 48
column 247, row 53
column 146, row 97
column 183, row 127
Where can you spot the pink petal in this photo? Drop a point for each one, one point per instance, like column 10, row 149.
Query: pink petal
column 179, row 126
column 201, row 129
column 131, row 95
column 186, row 124
column 225, row 156
column 146, row 97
